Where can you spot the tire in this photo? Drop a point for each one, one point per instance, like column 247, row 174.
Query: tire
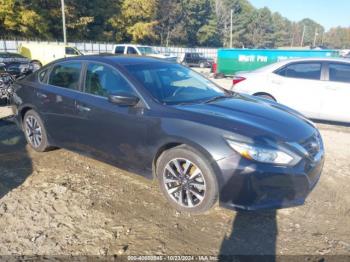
column 201, row 65
column 36, row 65
column 266, row 96
column 33, row 123
column 198, row 194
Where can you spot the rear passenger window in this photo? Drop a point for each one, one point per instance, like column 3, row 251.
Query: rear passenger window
column 339, row 73
column 119, row 50
column 66, row 75
column 103, row 80
column 302, row 70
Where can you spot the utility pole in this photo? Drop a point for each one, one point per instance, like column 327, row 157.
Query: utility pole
column 231, row 29
column 315, row 37
column 302, row 36
column 64, row 23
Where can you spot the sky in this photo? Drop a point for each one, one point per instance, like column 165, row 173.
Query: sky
column 329, row 13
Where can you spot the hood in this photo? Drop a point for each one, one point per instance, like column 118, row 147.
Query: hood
column 249, row 116
column 20, row 60
column 163, row 56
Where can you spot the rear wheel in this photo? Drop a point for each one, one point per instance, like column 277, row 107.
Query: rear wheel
column 202, row 65
column 35, row 132
column 186, row 180
column 36, row 65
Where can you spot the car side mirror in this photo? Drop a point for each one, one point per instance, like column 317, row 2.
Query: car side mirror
column 123, row 99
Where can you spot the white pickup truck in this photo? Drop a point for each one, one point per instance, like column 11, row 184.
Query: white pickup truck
column 143, row 50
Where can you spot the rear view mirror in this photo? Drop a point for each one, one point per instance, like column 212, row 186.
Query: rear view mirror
column 123, row 99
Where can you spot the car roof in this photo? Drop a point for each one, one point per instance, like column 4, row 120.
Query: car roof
column 132, row 45
column 311, row 59
column 114, row 59
column 276, row 65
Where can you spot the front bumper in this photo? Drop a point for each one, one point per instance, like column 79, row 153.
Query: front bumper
column 245, row 185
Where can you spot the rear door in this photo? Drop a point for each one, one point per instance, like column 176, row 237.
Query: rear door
column 300, row 86
column 114, row 133
column 56, row 101
column 336, row 99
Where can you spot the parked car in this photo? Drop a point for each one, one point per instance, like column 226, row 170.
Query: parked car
column 14, row 64
column 142, row 50
column 317, row 87
column 196, row 59
column 42, row 54
column 6, row 80
column 163, row 120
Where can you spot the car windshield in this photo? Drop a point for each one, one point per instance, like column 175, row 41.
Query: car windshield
column 146, row 50
column 175, row 84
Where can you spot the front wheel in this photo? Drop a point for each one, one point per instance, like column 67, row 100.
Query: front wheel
column 35, row 132
column 186, row 180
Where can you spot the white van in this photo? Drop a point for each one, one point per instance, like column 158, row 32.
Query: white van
column 42, row 54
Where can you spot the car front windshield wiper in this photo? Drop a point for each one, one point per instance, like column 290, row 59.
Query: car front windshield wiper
column 215, row 98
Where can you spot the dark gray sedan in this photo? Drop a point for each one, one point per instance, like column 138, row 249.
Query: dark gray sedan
column 162, row 120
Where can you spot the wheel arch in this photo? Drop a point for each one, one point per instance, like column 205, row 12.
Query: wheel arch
column 22, row 113
column 191, row 145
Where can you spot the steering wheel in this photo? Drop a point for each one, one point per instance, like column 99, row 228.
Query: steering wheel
column 179, row 90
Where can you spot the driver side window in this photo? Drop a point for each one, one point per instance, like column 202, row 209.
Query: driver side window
column 103, row 80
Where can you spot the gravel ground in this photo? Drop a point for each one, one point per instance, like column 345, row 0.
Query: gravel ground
column 61, row 203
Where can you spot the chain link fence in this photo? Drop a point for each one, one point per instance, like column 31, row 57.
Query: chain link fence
column 96, row 48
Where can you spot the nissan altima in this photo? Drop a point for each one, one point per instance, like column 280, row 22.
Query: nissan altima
column 162, row 120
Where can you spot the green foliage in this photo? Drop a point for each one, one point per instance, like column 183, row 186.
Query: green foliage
column 164, row 22
column 338, row 37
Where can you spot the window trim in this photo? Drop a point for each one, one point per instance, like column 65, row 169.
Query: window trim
column 48, row 69
column 322, row 73
column 67, row 62
column 327, row 75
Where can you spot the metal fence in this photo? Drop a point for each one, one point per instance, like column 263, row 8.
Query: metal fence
column 96, row 48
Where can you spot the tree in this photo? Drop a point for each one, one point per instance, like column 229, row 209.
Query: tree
column 260, row 29
column 338, row 37
column 140, row 19
column 169, row 15
column 311, row 28
column 282, row 31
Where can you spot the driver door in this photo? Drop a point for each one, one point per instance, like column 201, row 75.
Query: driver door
column 116, row 134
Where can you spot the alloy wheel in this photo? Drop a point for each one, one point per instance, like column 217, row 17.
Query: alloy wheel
column 184, row 182
column 33, row 131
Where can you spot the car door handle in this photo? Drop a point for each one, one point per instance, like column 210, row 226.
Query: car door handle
column 83, row 108
column 41, row 95
column 331, row 88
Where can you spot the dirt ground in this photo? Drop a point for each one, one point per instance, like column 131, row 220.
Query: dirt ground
column 61, row 203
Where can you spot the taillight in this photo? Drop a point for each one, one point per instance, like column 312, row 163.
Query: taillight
column 238, row 79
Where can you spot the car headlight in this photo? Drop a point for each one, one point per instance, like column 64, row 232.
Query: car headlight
column 263, row 155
